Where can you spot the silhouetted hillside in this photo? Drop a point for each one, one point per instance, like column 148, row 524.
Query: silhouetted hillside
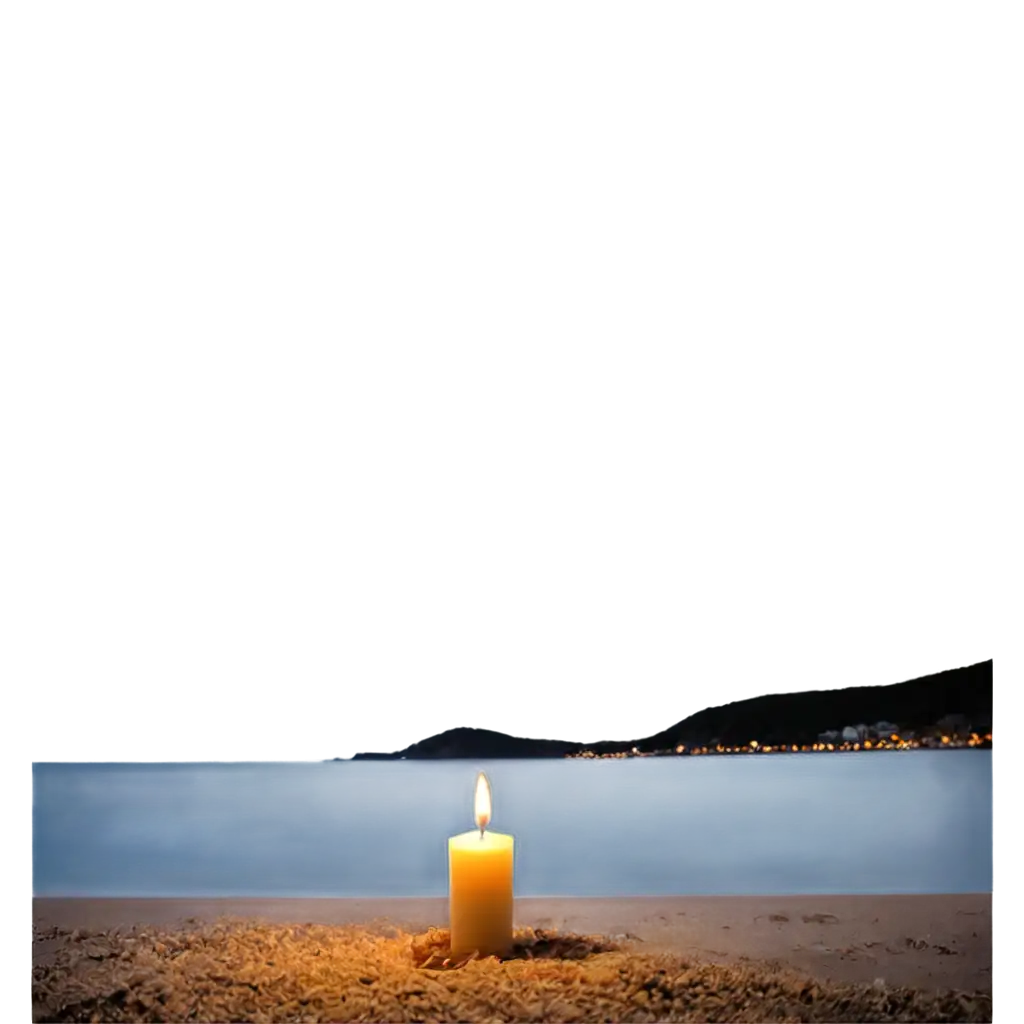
column 916, row 701
column 769, row 715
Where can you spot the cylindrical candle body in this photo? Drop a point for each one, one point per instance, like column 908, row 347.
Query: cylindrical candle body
column 480, row 893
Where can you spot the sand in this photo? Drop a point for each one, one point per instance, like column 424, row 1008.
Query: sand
column 652, row 958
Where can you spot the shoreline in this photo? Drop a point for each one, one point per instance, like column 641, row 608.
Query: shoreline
column 928, row 942
column 695, row 751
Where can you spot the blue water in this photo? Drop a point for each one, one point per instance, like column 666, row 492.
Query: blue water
column 884, row 822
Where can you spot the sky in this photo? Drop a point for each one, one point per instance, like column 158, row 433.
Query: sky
column 405, row 382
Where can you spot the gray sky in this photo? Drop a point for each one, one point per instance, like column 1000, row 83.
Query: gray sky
column 416, row 384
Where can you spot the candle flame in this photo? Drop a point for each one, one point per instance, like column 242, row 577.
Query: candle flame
column 482, row 802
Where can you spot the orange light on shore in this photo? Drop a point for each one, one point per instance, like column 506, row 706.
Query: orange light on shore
column 480, row 865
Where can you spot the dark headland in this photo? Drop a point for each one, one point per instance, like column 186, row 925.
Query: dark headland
column 957, row 702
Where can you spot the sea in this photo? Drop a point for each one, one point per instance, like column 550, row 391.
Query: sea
column 881, row 822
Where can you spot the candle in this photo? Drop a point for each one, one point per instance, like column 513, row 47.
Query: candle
column 480, row 884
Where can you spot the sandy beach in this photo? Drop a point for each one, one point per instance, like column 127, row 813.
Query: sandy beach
column 925, row 942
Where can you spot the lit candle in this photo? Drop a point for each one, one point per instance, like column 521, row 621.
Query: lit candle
column 480, row 884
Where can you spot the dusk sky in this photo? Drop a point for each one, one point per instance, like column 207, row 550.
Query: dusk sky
column 391, row 385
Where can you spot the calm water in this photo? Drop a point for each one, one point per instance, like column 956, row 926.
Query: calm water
column 859, row 823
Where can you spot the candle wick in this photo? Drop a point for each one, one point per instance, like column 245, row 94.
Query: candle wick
column 482, row 827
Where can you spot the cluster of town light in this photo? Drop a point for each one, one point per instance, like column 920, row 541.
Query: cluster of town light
column 894, row 742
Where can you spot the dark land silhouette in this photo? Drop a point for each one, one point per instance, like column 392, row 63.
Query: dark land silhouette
column 961, row 697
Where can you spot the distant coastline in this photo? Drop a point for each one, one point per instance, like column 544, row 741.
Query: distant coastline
column 947, row 710
column 894, row 741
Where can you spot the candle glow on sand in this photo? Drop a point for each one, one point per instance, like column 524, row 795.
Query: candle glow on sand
column 480, row 884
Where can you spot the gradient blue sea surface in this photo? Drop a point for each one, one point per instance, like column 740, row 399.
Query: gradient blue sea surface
column 886, row 822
